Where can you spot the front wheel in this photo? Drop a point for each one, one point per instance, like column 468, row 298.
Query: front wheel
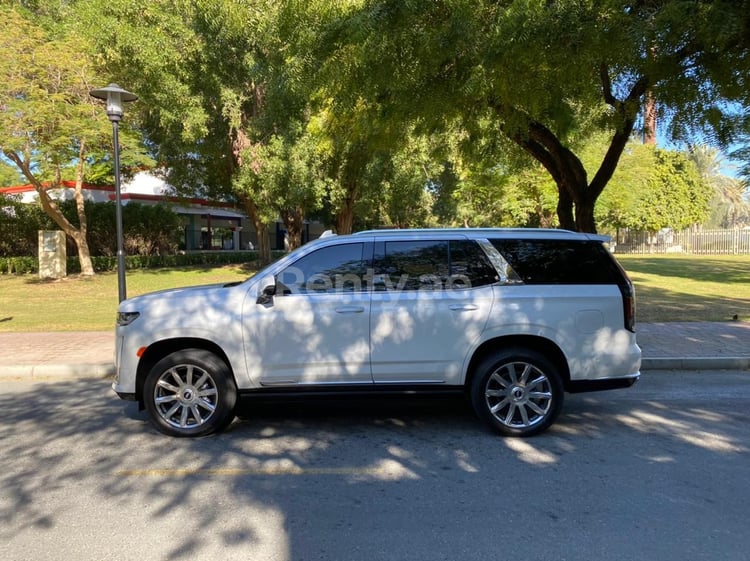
column 517, row 392
column 190, row 393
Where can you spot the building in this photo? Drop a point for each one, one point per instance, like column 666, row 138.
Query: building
column 207, row 225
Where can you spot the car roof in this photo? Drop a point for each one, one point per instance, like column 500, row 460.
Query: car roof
column 510, row 233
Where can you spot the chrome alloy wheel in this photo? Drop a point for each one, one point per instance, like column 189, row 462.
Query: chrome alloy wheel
column 185, row 396
column 518, row 395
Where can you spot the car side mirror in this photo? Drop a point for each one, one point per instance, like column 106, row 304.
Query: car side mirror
column 267, row 292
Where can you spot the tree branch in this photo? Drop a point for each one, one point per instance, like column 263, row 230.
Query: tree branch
column 48, row 204
column 627, row 111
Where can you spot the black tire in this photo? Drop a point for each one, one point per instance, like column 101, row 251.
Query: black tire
column 517, row 392
column 190, row 393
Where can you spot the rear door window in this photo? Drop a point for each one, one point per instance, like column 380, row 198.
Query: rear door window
column 431, row 265
column 559, row 261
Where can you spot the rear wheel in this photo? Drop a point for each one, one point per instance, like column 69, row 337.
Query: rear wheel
column 517, row 392
column 190, row 393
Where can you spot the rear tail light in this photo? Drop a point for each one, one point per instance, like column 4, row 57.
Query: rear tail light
column 628, row 302
column 628, row 297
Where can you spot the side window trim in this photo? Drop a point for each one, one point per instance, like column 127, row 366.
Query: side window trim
column 507, row 274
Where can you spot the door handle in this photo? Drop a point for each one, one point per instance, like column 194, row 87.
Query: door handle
column 350, row 309
column 464, row 307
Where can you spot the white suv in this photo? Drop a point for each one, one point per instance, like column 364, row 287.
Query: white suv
column 512, row 318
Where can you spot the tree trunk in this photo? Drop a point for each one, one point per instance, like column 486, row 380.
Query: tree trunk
column 53, row 211
column 585, row 221
column 293, row 221
column 240, row 143
column 577, row 197
column 261, row 230
column 565, row 210
column 81, row 239
column 345, row 215
column 649, row 120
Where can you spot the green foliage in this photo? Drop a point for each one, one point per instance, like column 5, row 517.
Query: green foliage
column 546, row 74
column 19, row 226
column 654, row 189
column 18, row 265
column 287, row 177
column 317, row 107
column 45, row 102
column 147, row 229
column 729, row 206
column 30, row 265
column 9, row 176
column 49, row 119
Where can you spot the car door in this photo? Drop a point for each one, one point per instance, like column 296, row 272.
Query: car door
column 315, row 328
column 430, row 302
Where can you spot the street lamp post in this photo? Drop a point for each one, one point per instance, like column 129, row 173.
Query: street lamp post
column 115, row 96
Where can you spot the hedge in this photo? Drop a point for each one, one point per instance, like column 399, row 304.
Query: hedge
column 27, row 265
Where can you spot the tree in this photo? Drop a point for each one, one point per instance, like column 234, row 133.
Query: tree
column 547, row 74
column 49, row 123
column 217, row 86
column 288, row 177
column 399, row 187
column 356, row 154
column 729, row 207
column 654, row 189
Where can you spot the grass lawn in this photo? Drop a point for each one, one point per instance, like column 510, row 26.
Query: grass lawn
column 89, row 304
column 690, row 287
column 668, row 288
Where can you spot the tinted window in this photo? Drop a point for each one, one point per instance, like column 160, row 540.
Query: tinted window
column 468, row 260
column 412, row 265
column 559, row 261
column 432, row 265
column 337, row 268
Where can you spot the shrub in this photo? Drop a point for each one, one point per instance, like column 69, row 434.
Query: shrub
column 18, row 265
column 147, row 229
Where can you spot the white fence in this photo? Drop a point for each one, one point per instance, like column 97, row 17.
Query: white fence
column 708, row 242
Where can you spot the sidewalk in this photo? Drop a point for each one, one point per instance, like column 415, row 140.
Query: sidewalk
column 667, row 346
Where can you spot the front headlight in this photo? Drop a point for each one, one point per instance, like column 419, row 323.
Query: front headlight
column 126, row 318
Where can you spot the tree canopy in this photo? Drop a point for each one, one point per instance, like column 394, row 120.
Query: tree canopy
column 545, row 74
column 385, row 112
column 49, row 126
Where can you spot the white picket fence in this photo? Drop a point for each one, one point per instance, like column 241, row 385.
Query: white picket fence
column 707, row 242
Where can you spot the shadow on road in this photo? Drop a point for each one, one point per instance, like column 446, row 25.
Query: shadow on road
column 331, row 482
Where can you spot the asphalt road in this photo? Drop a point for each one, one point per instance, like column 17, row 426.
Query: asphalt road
column 657, row 472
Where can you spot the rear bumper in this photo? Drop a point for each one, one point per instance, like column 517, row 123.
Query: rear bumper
column 581, row 386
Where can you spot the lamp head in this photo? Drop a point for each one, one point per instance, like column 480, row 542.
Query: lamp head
column 115, row 97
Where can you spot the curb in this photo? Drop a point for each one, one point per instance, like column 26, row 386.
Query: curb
column 57, row 371
column 696, row 363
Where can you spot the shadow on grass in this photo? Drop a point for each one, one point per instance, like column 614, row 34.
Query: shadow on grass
column 662, row 305
column 251, row 267
column 36, row 281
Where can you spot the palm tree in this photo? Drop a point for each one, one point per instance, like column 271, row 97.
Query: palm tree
column 731, row 207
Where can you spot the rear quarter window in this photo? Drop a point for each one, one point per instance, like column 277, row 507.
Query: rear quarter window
column 559, row 261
